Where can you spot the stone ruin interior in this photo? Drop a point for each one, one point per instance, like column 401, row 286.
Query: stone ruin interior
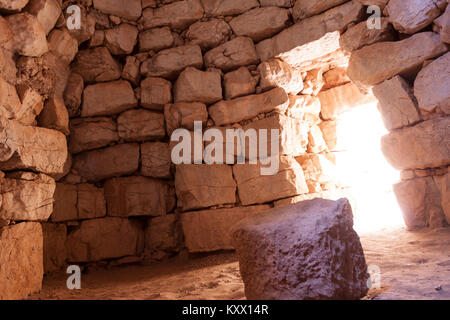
column 92, row 90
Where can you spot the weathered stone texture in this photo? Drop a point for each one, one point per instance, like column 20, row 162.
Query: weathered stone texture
column 183, row 115
column 303, row 251
column 155, row 93
column 140, row 125
column 239, row 83
column 155, row 160
column 91, row 133
column 96, row 65
column 210, row 230
column 29, row 36
column 130, row 9
column 276, row 73
column 194, row 85
column 54, row 245
column 208, row 34
column 228, row 8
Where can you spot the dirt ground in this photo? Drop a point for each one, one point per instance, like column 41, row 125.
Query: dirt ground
column 413, row 265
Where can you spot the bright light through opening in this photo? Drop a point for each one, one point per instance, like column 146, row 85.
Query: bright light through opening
column 364, row 168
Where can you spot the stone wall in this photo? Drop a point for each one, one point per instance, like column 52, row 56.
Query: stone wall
column 87, row 116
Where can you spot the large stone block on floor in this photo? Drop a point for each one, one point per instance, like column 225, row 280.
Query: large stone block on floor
column 246, row 108
column 276, row 73
column 21, row 261
column 303, row 251
column 32, row 148
column 115, row 161
column 169, row 63
column 232, row 54
column 210, row 230
column 203, row 186
column 432, row 86
column 341, row 99
column 396, row 102
column 91, row 133
column 177, row 16
column 96, row 65
column 108, row 98
column 55, row 251
column 420, row 202
column 312, row 38
column 194, row 85
column 130, row 10
column 410, row 16
column 26, row 196
column 136, row 196
column 260, row 23
column 101, row 239
column 425, row 145
column 399, row 57
column 228, row 8
column 255, row 188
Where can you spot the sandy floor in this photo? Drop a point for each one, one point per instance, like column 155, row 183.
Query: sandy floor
column 414, row 265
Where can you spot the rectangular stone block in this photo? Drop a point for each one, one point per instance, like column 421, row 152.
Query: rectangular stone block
column 104, row 238
column 254, row 188
column 203, row 186
column 32, row 148
column 163, row 235
column 425, row 145
column 155, row 160
column 26, row 196
column 21, row 261
column 91, row 133
column 55, row 251
column 137, row 196
column 210, row 230
column 140, row 125
column 246, row 108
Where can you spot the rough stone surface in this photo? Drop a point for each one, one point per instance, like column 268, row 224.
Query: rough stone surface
column 29, row 36
column 202, row 186
column 90, row 202
column 73, row 93
column 420, row 202
column 232, row 54
column 105, row 238
column 13, row 5
column 32, row 105
column 245, row 108
column 130, row 10
column 410, row 16
column 194, row 85
column 10, row 103
column 96, row 65
column 55, row 252
column 140, row 124
column 305, row 108
column 65, row 203
column 177, row 15
column 443, row 183
column 239, row 83
column 8, row 68
column 210, row 230
column 307, row 8
column 254, row 188
column 21, row 260
column 91, row 133
column 33, row 148
column 396, row 103
column 55, row 115
column 341, row 99
column 260, row 23
column 136, row 196
column 183, row 115
column 422, row 146
column 312, row 38
column 360, row 35
column 276, row 73
column 120, row 97
column 106, row 163
column 26, row 196
column 208, row 34
column 63, row 45
column 169, row 63
column 121, row 39
column 228, row 8
column 335, row 77
column 155, row 39
column 399, row 57
column 320, row 231
column 163, row 234
column 47, row 12
column 155, row 160
column 155, row 93
column 432, row 86
column 443, row 23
